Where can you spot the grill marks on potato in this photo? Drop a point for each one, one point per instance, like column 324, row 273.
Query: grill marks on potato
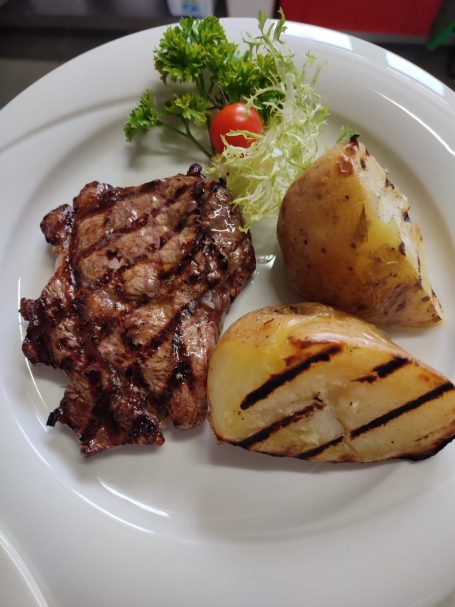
column 368, row 400
column 278, row 379
column 309, row 453
column 265, row 433
column 381, row 371
column 377, row 374
column 382, row 420
column 423, row 399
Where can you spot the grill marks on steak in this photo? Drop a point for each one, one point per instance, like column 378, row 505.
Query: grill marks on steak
column 134, row 308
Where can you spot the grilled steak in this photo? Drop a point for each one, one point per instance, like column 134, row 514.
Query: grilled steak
column 134, row 308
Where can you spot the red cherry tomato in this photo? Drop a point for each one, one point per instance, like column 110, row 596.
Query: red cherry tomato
column 234, row 117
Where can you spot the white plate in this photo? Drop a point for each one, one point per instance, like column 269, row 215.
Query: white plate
column 195, row 523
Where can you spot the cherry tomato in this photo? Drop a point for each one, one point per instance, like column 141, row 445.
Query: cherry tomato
column 234, row 117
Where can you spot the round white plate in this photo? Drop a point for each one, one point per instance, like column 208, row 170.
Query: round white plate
column 195, row 523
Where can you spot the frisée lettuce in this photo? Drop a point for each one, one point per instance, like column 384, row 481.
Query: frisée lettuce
column 260, row 175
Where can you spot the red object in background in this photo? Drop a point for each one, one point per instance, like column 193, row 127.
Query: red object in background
column 396, row 17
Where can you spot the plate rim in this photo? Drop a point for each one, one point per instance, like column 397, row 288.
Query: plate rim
column 33, row 91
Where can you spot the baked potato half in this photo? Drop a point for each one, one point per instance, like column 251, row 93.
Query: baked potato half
column 310, row 382
column 348, row 240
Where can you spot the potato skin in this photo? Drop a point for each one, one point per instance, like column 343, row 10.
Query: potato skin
column 310, row 382
column 348, row 240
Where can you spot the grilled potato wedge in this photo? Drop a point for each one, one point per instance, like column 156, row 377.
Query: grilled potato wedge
column 348, row 240
column 310, row 382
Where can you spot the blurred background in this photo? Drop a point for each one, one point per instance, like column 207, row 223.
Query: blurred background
column 38, row 35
